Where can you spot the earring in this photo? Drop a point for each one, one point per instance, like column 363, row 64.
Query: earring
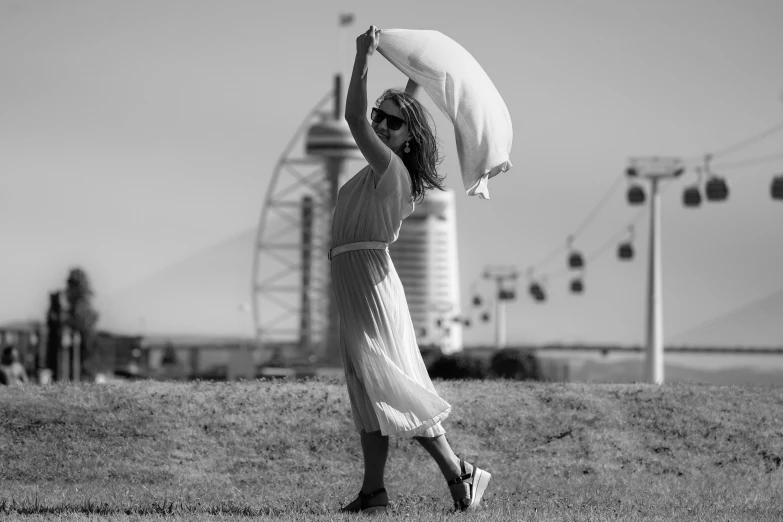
column 407, row 148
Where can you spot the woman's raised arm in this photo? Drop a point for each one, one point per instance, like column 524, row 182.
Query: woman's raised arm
column 413, row 89
column 372, row 148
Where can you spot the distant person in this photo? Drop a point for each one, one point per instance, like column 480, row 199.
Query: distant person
column 388, row 385
column 11, row 369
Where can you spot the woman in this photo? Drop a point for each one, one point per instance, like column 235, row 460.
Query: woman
column 388, row 385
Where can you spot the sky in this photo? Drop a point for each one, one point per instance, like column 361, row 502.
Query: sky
column 138, row 140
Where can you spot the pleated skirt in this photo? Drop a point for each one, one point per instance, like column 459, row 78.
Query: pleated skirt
column 388, row 384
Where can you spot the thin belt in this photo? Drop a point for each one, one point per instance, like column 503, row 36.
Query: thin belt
column 358, row 245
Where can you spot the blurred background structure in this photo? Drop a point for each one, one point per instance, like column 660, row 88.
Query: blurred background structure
column 144, row 160
column 425, row 257
column 292, row 294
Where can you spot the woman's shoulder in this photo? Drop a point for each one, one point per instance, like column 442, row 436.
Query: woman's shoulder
column 395, row 179
column 398, row 164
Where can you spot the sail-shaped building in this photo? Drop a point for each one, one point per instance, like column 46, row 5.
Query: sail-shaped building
column 425, row 257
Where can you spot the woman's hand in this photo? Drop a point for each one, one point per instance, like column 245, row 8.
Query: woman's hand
column 367, row 42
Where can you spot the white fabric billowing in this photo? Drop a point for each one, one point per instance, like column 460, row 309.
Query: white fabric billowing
column 462, row 90
column 388, row 384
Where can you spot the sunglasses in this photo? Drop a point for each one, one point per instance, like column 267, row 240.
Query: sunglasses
column 393, row 122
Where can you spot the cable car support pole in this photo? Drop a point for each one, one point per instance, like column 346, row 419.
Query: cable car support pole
column 501, row 274
column 654, row 169
column 654, row 361
column 500, row 319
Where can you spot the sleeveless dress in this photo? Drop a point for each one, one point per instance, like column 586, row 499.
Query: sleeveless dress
column 388, row 384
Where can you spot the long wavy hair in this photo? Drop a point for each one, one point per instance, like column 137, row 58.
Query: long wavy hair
column 423, row 159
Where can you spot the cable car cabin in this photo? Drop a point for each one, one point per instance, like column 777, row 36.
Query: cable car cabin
column 575, row 260
column 691, row 197
column 635, row 195
column 777, row 187
column 537, row 292
column 717, row 190
column 625, row 251
column 577, row 287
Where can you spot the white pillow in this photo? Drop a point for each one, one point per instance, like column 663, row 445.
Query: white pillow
column 462, row 90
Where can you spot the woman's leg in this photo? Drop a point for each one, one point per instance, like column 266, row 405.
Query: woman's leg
column 375, row 448
column 441, row 451
column 465, row 495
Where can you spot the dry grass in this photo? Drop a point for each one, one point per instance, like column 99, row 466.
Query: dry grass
column 287, row 450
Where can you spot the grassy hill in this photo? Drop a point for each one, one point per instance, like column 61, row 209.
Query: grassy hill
column 287, row 450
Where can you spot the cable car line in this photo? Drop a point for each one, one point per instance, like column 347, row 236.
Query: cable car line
column 613, row 240
column 599, row 206
column 699, row 160
column 737, row 314
column 744, row 309
column 548, row 259
column 749, row 141
column 742, row 321
column 171, row 266
column 752, row 162
column 582, row 226
column 716, row 190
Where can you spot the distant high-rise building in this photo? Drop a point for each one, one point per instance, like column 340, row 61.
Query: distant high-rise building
column 425, row 256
